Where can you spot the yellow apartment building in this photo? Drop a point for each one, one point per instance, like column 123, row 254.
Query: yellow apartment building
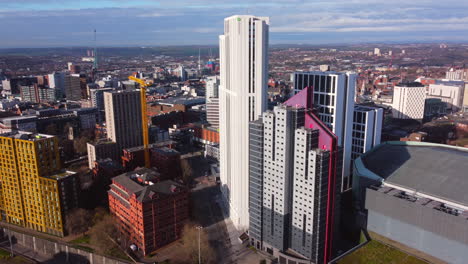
column 35, row 192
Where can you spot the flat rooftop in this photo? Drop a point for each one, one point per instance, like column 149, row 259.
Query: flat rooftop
column 23, row 135
column 183, row 100
column 432, row 169
column 61, row 175
column 14, row 118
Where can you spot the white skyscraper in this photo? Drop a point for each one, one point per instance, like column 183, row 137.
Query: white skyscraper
column 242, row 98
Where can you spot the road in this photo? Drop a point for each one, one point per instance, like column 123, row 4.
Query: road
column 211, row 213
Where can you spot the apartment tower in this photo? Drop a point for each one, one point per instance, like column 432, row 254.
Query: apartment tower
column 35, row 192
column 295, row 178
column 242, row 98
column 123, row 118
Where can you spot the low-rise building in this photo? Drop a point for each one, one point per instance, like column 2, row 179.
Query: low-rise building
column 102, row 149
column 415, row 194
column 23, row 123
column 150, row 214
column 167, row 161
column 449, row 92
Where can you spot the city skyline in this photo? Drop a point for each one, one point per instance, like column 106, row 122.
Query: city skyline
column 147, row 23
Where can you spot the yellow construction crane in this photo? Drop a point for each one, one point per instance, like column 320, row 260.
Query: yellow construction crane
column 144, row 118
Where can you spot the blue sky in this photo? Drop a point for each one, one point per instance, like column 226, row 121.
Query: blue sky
column 57, row 23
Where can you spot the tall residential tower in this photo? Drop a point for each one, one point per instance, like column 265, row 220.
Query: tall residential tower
column 242, row 98
column 295, row 178
column 333, row 98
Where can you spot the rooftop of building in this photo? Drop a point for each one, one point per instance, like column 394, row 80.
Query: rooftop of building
column 183, row 100
column 364, row 108
column 60, row 175
column 102, row 141
column 143, row 183
column 410, row 84
column 153, row 145
column 447, row 82
column 433, row 169
column 12, row 118
column 323, row 73
column 167, row 151
column 23, row 135
column 108, row 163
column 122, row 91
column 85, row 110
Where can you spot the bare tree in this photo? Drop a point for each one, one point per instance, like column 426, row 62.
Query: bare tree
column 51, row 129
column 79, row 144
column 187, row 171
column 78, row 221
column 104, row 234
column 190, row 242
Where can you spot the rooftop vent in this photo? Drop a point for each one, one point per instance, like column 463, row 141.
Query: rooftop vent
column 446, row 209
column 405, row 196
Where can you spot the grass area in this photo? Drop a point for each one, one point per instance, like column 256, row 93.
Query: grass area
column 461, row 142
column 78, row 243
column 118, row 253
column 378, row 253
column 85, row 248
column 6, row 258
column 81, row 240
column 4, row 254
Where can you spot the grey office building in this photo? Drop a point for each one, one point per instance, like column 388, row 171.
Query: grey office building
column 416, row 194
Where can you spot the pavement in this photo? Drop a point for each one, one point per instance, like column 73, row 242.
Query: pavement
column 24, row 251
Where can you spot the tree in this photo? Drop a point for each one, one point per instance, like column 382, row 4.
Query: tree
column 51, row 129
column 80, row 144
column 78, row 221
column 190, row 245
column 104, row 234
column 186, row 170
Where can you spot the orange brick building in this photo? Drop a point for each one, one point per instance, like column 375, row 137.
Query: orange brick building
column 206, row 135
column 150, row 214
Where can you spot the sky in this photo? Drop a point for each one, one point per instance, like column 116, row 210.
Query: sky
column 70, row 23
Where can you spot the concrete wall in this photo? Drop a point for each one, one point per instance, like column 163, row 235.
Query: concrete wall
column 418, row 238
column 57, row 251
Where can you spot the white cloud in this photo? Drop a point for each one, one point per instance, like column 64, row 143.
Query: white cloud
column 161, row 14
column 206, row 30
column 333, row 23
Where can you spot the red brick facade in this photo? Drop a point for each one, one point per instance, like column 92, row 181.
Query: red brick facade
column 151, row 216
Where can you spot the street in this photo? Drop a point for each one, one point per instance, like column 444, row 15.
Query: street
column 210, row 211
